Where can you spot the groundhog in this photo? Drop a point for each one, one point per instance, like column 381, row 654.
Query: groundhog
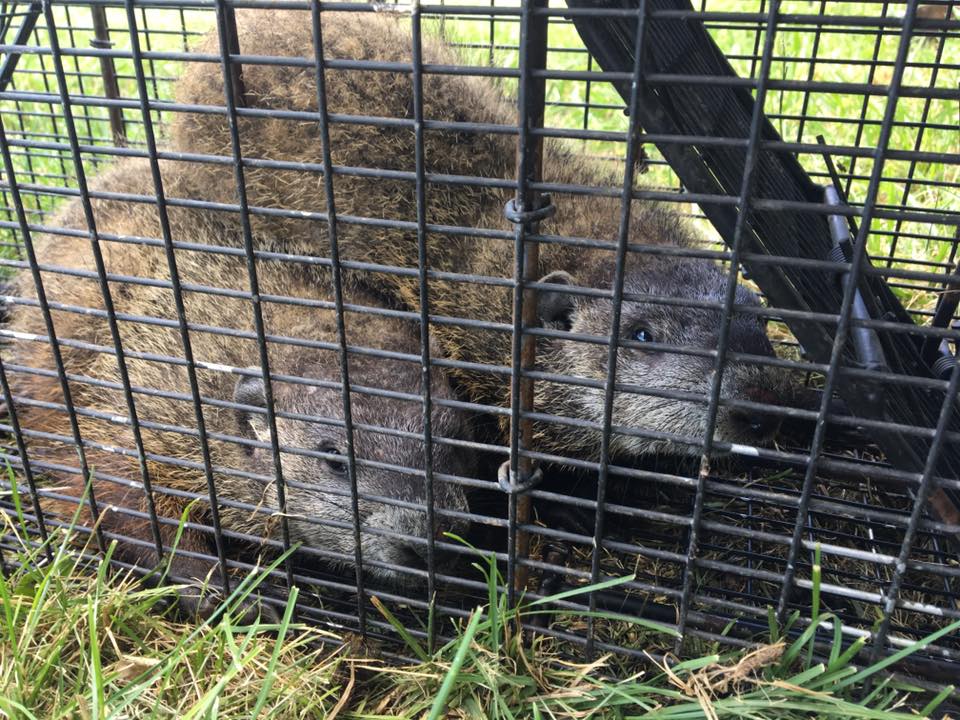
column 309, row 419
column 471, row 180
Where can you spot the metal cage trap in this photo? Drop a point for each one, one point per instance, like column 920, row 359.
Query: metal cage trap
column 812, row 145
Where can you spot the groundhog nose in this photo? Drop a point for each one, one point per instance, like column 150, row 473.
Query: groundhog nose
column 413, row 552
column 758, row 424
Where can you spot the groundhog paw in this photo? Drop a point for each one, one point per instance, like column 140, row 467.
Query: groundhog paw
column 199, row 604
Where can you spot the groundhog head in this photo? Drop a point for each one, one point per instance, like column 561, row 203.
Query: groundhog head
column 664, row 366
column 389, row 452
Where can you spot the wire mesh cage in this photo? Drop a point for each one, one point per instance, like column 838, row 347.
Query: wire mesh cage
column 407, row 286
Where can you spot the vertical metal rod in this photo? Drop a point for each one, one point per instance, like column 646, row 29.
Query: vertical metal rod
column 493, row 36
column 422, row 261
column 230, row 98
column 51, row 109
column 30, row 169
column 14, row 188
column 609, row 385
column 723, row 342
column 147, row 34
column 81, row 86
column 24, row 459
column 336, row 275
column 811, row 71
column 31, row 173
column 927, row 485
column 756, row 41
column 101, row 269
column 176, row 288
column 101, row 34
column 229, row 34
column 846, row 308
column 184, row 45
column 587, row 93
column 943, row 313
column 530, row 103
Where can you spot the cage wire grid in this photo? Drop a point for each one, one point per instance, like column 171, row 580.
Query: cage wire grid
column 92, row 85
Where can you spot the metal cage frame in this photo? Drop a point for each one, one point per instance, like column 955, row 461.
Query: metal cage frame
column 719, row 527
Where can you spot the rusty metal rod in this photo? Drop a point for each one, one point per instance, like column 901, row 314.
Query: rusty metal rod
column 111, row 89
column 525, row 211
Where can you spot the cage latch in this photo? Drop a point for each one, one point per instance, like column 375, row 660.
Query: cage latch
column 509, row 484
column 936, row 351
column 545, row 209
column 866, row 342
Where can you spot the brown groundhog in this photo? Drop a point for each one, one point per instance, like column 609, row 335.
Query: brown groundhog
column 482, row 158
column 313, row 460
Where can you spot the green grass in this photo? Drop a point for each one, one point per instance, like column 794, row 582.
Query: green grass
column 79, row 641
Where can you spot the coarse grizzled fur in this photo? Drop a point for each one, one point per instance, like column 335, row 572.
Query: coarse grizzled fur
column 317, row 488
column 486, row 155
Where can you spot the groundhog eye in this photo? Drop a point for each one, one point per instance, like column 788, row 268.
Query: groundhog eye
column 642, row 334
column 337, row 464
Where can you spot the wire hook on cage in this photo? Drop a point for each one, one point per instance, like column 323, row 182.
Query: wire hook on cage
column 545, row 210
column 509, row 483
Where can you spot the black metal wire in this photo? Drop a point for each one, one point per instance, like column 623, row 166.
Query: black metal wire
column 336, row 276
column 177, row 290
column 609, row 391
column 533, row 39
column 26, row 238
column 25, row 464
column 723, row 341
column 229, row 86
column 422, row 265
column 101, row 272
column 850, row 290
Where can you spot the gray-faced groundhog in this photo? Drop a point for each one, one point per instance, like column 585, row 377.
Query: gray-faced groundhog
column 307, row 400
column 462, row 193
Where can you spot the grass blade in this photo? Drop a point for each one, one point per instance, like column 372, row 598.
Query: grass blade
column 438, row 708
column 931, row 706
column 271, row 673
column 815, row 603
column 96, row 669
column 415, row 647
column 899, row 655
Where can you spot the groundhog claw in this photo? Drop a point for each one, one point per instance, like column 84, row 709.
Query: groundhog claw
column 197, row 603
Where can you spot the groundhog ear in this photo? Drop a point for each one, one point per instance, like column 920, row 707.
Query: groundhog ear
column 249, row 391
column 556, row 307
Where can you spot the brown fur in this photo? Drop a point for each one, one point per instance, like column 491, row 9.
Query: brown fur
column 316, row 489
column 447, row 98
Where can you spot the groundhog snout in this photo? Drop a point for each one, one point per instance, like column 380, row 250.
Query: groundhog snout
column 756, row 422
column 413, row 549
